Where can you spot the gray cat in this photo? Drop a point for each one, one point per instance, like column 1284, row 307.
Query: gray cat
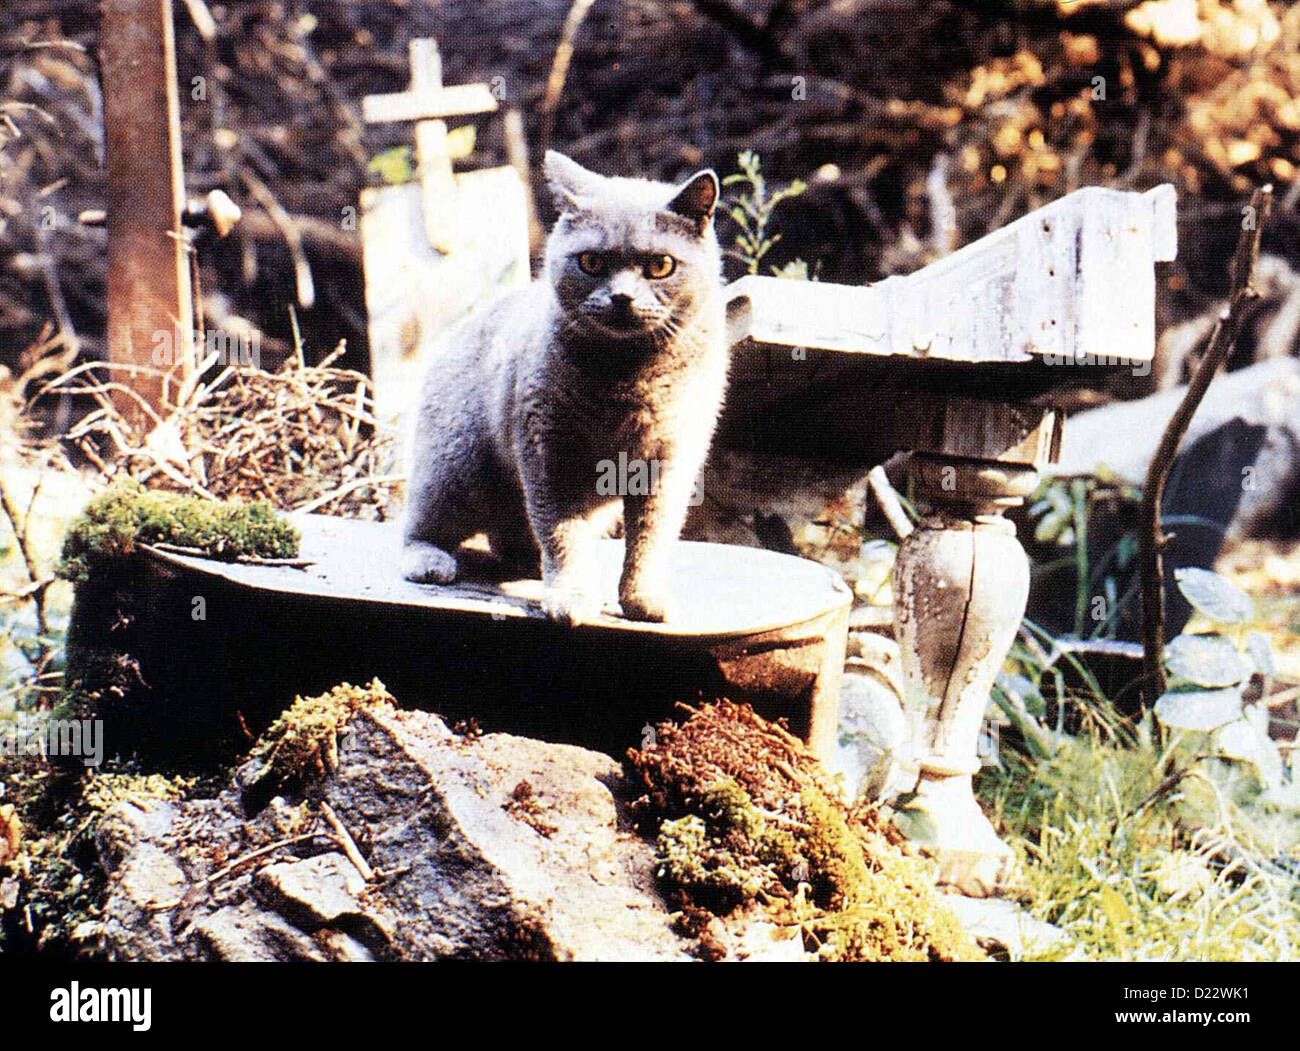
column 617, row 348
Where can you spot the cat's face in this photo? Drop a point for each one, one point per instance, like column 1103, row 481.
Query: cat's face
column 630, row 259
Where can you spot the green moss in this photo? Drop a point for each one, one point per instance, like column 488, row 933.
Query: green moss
column 52, row 867
column 747, row 820
column 115, row 523
column 302, row 744
column 691, row 859
column 104, row 790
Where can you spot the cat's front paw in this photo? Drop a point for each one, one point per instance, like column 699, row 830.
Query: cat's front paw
column 428, row 564
column 569, row 606
column 644, row 604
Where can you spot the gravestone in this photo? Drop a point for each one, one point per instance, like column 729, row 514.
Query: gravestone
column 435, row 247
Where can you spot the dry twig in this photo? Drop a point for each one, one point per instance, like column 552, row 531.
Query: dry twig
column 1150, row 529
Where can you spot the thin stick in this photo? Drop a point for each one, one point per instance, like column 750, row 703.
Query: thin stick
column 243, row 560
column 560, row 69
column 261, row 852
column 1150, row 530
column 305, row 285
column 21, row 531
column 357, row 483
column 347, row 842
column 887, row 497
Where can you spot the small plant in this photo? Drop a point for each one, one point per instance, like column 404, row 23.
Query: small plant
column 1141, row 854
column 752, row 211
column 746, row 819
column 1209, row 673
column 1061, row 515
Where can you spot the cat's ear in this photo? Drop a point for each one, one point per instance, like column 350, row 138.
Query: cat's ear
column 696, row 198
column 569, row 181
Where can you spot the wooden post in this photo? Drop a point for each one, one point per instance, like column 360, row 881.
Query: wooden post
column 431, row 153
column 150, row 307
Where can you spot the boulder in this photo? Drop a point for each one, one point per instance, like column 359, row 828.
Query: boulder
column 1246, row 433
column 420, row 845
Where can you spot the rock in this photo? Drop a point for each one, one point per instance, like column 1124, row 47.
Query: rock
column 343, row 948
column 247, row 933
column 496, row 847
column 484, row 875
column 145, row 882
column 767, row 943
column 315, row 892
column 1263, row 398
column 1002, row 928
column 872, row 739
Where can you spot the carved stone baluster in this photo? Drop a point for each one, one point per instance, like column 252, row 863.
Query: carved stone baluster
column 961, row 582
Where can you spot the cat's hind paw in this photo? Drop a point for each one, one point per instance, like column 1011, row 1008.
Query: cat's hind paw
column 426, row 563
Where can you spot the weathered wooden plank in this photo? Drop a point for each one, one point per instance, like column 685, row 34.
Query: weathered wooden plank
column 845, row 417
column 149, row 293
column 1071, row 283
column 455, row 101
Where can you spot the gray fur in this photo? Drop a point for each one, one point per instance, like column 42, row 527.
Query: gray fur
column 527, row 396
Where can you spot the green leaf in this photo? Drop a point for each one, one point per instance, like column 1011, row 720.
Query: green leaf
column 917, row 825
column 395, row 166
column 1261, row 653
column 460, row 141
column 1023, row 688
column 1205, row 660
column 1217, row 598
column 1238, row 740
column 1201, row 710
column 1247, row 740
column 1115, row 907
column 1050, row 525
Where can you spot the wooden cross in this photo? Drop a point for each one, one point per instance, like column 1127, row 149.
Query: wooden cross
column 436, row 248
column 427, row 103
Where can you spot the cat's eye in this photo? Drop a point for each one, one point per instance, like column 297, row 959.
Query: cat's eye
column 591, row 263
column 660, row 266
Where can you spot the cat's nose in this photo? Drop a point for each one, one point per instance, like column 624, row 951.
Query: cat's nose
column 621, row 304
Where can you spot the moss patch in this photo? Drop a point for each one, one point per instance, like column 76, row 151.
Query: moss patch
column 129, row 632
column 115, row 523
column 50, row 881
column 301, row 746
column 746, row 820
